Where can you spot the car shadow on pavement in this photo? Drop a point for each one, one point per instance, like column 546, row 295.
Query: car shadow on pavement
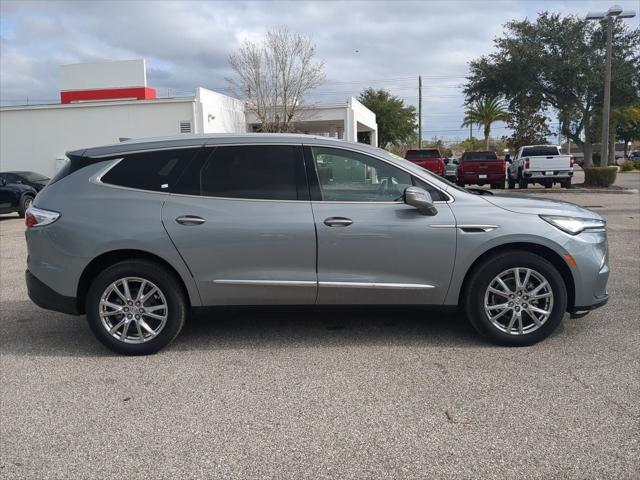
column 26, row 330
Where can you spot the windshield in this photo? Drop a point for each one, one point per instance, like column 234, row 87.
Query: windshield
column 541, row 151
column 478, row 156
column 421, row 154
column 33, row 177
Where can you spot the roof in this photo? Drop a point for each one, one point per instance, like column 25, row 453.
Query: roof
column 195, row 140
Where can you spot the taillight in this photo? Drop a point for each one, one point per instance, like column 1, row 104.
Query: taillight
column 461, row 168
column 526, row 163
column 504, row 167
column 38, row 217
column 573, row 159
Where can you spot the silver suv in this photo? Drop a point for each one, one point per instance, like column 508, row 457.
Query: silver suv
column 138, row 233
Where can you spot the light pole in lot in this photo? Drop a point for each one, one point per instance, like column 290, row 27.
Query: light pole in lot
column 613, row 12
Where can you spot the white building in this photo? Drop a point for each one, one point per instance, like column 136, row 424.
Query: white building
column 103, row 102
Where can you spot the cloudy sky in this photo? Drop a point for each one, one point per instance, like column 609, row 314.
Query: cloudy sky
column 186, row 44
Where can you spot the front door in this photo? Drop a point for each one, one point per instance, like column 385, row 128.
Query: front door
column 373, row 248
column 241, row 219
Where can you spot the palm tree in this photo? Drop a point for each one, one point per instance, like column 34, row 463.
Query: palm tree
column 484, row 112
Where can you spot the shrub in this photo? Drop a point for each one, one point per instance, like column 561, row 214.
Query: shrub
column 636, row 164
column 600, row 176
column 627, row 166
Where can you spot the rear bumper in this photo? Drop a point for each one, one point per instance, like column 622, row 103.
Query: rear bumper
column 474, row 178
column 46, row 297
column 543, row 174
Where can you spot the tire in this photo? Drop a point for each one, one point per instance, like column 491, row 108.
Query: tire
column 548, row 185
column 522, row 182
column 460, row 184
column 139, row 340
column 497, row 186
column 511, row 184
column 25, row 203
column 484, row 275
column 566, row 183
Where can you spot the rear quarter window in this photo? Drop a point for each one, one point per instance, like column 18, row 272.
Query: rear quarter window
column 156, row 171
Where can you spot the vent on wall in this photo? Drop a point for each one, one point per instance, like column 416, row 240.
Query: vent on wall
column 185, row 126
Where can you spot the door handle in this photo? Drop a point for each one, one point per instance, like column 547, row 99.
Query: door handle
column 337, row 222
column 190, row 220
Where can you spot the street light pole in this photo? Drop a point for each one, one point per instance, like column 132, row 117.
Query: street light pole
column 613, row 12
column 604, row 149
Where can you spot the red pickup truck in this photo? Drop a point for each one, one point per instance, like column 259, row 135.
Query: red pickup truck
column 480, row 168
column 427, row 158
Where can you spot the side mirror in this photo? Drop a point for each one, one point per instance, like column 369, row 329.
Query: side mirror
column 507, row 158
column 3, row 182
column 456, row 162
column 420, row 199
column 446, row 161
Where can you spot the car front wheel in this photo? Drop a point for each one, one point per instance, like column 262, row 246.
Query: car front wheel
column 136, row 307
column 516, row 298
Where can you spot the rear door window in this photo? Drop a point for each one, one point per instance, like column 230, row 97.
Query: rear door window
column 260, row 172
column 157, row 171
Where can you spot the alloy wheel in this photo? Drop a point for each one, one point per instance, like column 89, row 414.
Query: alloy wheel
column 133, row 310
column 518, row 301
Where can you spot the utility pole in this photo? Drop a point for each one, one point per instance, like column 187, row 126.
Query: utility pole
column 419, row 111
column 604, row 149
column 613, row 12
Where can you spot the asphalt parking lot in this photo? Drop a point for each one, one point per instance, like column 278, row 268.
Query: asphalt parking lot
column 308, row 394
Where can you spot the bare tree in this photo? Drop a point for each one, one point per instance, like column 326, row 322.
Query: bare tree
column 274, row 77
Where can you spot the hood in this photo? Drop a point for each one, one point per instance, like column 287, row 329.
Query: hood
column 539, row 206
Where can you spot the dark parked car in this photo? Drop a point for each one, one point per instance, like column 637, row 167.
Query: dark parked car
column 427, row 158
column 33, row 179
column 481, row 168
column 15, row 197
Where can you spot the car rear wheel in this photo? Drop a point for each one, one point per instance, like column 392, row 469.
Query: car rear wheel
column 523, row 182
column 25, row 202
column 136, row 307
column 516, row 298
column 566, row 183
column 511, row 183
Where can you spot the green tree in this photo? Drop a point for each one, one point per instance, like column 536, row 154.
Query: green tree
column 627, row 125
column 396, row 121
column 558, row 62
column 484, row 112
column 528, row 125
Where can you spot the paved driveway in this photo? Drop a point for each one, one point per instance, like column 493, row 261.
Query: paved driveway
column 381, row 394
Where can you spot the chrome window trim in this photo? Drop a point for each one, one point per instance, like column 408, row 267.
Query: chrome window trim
column 98, row 179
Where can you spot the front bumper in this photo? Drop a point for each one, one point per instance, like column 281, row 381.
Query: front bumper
column 579, row 312
column 46, row 297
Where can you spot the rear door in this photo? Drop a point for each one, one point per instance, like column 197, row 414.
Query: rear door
column 241, row 219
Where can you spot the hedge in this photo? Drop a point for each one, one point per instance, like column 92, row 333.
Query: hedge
column 600, row 176
column 627, row 166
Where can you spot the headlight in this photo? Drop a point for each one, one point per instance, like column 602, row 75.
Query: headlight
column 575, row 225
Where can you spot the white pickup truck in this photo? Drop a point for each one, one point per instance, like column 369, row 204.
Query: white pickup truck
column 543, row 164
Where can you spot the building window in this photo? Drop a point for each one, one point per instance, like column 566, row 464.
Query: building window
column 185, row 126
